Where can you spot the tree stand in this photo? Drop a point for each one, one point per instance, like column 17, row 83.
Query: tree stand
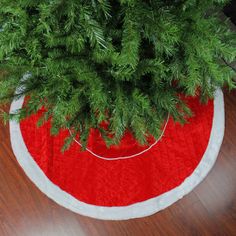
column 128, row 181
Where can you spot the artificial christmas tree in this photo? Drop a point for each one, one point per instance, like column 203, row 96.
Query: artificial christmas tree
column 116, row 74
column 121, row 62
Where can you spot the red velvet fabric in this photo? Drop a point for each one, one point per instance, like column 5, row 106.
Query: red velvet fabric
column 121, row 182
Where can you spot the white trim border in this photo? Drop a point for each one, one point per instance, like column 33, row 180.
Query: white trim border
column 140, row 209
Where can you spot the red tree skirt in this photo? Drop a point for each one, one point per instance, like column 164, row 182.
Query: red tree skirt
column 144, row 183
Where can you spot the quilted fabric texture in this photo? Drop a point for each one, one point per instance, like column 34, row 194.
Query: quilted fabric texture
column 121, row 182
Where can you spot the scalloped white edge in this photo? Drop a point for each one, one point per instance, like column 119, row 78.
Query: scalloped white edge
column 140, row 209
